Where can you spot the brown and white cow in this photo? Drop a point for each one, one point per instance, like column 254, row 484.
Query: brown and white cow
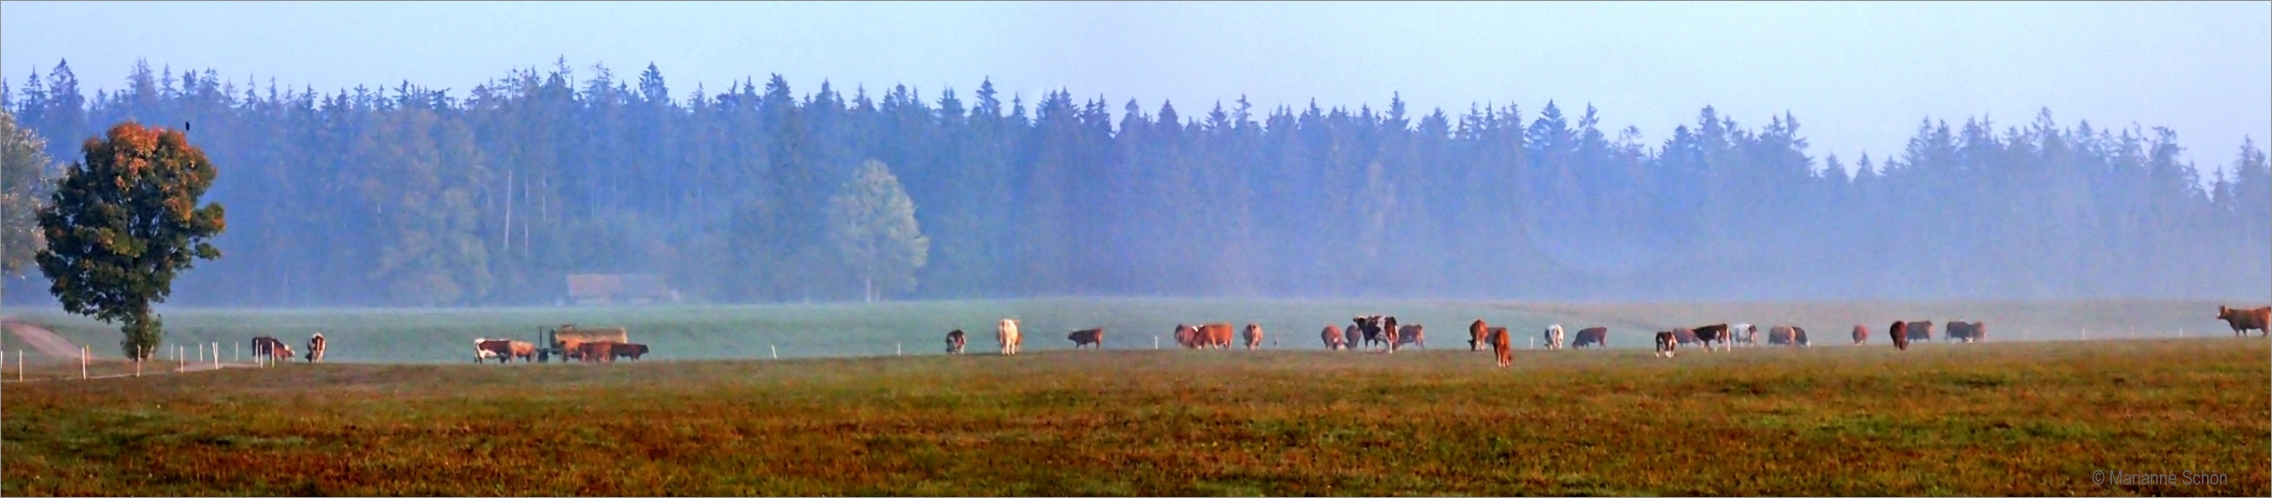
column 1253, row 337
column 1596, row 336
column 1553, row 337
column 1187, row 336
column 1478, row 335
column 1861, row 334
column 1667, row 342
column 1802, row 335
column 1967, row 332
column 1502, row 345
column 1089, row 337
column 956, row 339
column 315, row 348
column 1709, row 334
column 1332, row 337
column 271, row 349
column 1899, row 331
column 1006, row 332
column 1782, row 335
column 2242, row 321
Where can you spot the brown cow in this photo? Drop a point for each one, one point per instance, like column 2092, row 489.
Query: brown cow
column 1861, row 334
column 271, row 348
column 1802, row 335
column 628, row 349
column 1186, row 336
column 1217, row 335
column 1413, row 334
column 1920, row 331
column 1091, row 337
column 1597, row 336
column 501, row 349
column 1900, row 333
column 1666, row 343
column 1478, row 335
column 1331, row 336
column 1502, row 345
column 1683, row 336
column 1709, row 334
column 1350, row 336
column 956, row 339
column 597, row 351
column 1782, row 335
column 1389, row 333
column 1967, row 332
column 2243, row 321
column 1253, row 337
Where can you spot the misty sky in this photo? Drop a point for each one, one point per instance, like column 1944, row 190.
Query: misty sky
column 1858, row 76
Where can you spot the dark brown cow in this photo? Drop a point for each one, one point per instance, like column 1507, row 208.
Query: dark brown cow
column 271, row 348
column 1478, row 335
column 1090, row 337
column 1413, row 334
column 1390, row 333
column 1187, row 336
column 1501, row 345
column 1920, row 331
column 1709, row 334
column 631, row 350
column 1861, row 334
column 2243, row 321
column 1216, row 335
column 1351, row 337
column 1967, row 332
column 1331, row 336
column 956, row 339
column 1899, row 331
column 1666, row 343
column 1253, row 337
column 1597, row 336
column 1802, row 335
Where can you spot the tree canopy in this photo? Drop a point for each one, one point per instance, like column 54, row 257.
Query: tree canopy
column 875, row 230
column 123, row 223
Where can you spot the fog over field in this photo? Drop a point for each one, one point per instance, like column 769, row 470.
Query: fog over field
column 431, row 190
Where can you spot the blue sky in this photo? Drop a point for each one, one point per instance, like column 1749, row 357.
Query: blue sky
column 1859, row 76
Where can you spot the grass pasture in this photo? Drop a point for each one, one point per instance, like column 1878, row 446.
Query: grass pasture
column 1987, row 419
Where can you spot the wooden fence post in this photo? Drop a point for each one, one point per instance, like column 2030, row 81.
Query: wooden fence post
column 776, row 351
column 82, row 363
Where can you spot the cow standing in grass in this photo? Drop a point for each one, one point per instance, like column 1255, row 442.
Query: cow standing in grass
column 1596, row 336
column 1861, row 334
column 1332, row 337
column 1090, row 337
column 955, row 341
column 1554, row 337
column 1967, row 332
column 1502, row 345
column 272, row 349
column 1785, row 335
column 1666, row 343
column 1253, row 337
column 315, row 348
column 1802, row 335
column 1006, row 332
column 628, row 349
column 1478, row 335
column 1216, row 335
column 2243, row 321
column 1920, row 331
column 1709, row 334
column 1416, row 335
column 1350, row 336
column 1899, row 331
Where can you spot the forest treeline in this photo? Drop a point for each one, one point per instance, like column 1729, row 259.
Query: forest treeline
column 413, row 196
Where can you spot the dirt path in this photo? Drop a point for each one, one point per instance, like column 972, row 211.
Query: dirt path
column 43, row 340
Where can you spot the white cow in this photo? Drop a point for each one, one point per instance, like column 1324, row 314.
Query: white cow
column 1745, row 333
column 1554, row 337
column 1007, row 333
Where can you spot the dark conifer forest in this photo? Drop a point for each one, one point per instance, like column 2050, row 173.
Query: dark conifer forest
column 413, row 196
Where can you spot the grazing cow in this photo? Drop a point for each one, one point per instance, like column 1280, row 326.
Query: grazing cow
column 1747, row 334
column 270, row 348
column 1006, row 332
column 1861, row 334
column 1709, row 334
column 315, row 348
column 1092, row 337
column 1899, row 331
column 1554, row 337
column 955, row 341
column 1782, row 335
column 1478, row 335
column 1967, row 332
column 1187, row 336
column 1667, row 341
column 2243, row 321
column 1389, row 333
column 480, row 354
column 1502, row 345
column 628, row 349
column 1413, row 334
column 1683, row 336
column 1802, row 335
column 1351, row 335
column 1253, row 337
column 1920, row 331
column 597, row 351
column 1370, row 326
column 1331, row 336
column 1597, row 336
column 1216, row 335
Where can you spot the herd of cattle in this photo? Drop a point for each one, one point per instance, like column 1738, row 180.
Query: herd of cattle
column 586, row 345
column 1383, row 332
column 270, row 349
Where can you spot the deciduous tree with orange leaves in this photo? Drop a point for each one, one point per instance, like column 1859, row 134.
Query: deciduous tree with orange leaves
column 123, row 222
